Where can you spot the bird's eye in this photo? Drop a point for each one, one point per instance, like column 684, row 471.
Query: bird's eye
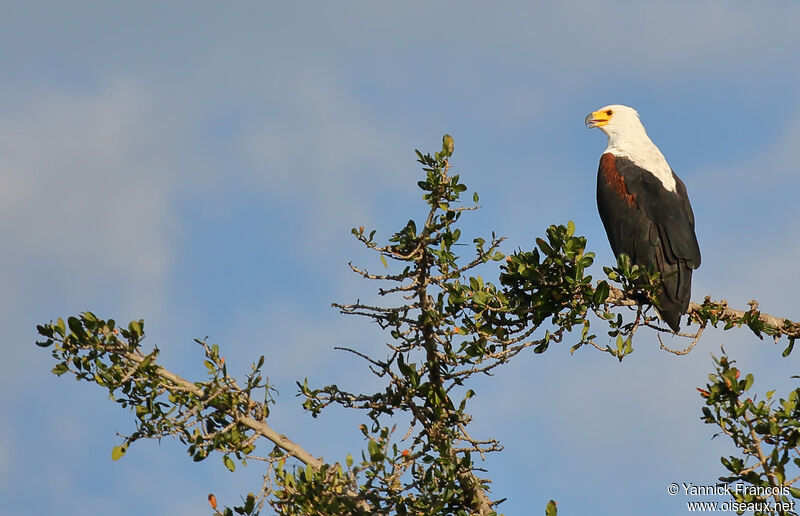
column 609, row 112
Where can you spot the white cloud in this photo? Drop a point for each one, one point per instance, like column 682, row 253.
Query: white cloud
column 318, row 153
column 666, row 39
column 298, row 342
column 5, row 467
column 86, row 183
column 749, row 220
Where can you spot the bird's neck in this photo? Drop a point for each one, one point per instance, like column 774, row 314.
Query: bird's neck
column 639, row 149
column 635, row 140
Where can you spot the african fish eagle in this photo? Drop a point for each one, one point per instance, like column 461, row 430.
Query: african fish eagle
column 645, row 209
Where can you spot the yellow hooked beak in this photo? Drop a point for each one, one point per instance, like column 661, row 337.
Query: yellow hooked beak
column 597, row 118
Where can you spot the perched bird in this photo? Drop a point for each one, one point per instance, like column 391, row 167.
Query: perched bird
column 645, row 209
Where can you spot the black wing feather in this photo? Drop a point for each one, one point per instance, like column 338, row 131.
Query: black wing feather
column 652, row 225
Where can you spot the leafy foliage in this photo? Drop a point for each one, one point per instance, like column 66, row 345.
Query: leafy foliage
column 767, row 432
column 446, row 323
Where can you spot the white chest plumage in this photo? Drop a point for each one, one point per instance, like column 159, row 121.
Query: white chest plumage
column 647, row 156
column 628, row 139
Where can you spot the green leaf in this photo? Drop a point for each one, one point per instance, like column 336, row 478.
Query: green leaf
column 60, row 327
column 584, row 332
column 447, row 145
column 544, row 247
column 383, row 261
column 374, row 448
column 249, row 503
column 748, row 381
column 75, row 325
column 628, row 346
column 601, row 293
column 118, row 451
column 60, row 369
column 228, row 463
column 349, row 460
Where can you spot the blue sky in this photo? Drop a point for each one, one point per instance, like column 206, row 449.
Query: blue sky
column 199, row 165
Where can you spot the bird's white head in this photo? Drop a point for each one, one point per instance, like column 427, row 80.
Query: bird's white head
column 628, row 138
column 618, row 122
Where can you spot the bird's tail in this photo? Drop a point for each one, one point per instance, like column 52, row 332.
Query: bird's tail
column 674, row 298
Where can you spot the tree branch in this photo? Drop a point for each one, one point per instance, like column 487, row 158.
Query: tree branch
column 716, row 311
column 263, row 429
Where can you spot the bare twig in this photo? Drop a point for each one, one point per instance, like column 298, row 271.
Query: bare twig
column 688, row 348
